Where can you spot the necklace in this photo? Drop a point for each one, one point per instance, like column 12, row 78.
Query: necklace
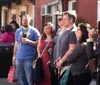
column 25, row 35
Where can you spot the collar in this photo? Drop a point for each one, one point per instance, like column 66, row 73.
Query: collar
column 25, row 28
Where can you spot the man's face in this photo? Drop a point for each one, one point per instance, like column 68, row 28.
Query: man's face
column 24, row 21
column 67, row 20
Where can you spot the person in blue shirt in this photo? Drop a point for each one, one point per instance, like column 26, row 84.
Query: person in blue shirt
column 26, row 39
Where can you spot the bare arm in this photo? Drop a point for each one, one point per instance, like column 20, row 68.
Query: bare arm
column 64, row 58
column 70, row 50
column 15, row 48
column 28, row 41
column 38, row 46
column 14, row 52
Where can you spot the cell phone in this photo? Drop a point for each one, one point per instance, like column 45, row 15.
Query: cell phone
column 24, row 35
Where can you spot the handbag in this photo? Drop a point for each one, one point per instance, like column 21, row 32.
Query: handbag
column 55, row 74
column 38, row 67
column 11, row 74
column 65, row 76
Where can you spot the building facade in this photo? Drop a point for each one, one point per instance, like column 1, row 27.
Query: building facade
column 86, row 10
column 42, row 11
column 46, row 11
column 16, row 10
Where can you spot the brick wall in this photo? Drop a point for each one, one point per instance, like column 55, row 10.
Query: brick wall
column 38, row 20
column 87, row 9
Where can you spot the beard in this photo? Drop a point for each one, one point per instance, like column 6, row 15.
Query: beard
column 25, row 25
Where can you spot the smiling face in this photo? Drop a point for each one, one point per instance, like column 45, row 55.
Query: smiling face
column 47, row 30
column 78, row 34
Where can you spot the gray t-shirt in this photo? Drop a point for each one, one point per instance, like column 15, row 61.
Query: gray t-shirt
column 56, row 47
column 67, row 38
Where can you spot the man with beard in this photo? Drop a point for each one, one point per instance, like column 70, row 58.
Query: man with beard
column 26, row 40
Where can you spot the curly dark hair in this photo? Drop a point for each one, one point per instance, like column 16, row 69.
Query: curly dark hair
column 8, row 28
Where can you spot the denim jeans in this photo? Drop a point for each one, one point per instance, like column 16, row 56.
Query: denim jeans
column 25, row 71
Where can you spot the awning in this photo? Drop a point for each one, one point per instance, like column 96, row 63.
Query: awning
column 53, row 2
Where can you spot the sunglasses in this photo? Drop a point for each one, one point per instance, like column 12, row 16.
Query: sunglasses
column 60, row 19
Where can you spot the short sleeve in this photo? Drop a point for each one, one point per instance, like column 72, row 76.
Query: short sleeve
column 72, row 38
column 36, row 34
column 16, row 35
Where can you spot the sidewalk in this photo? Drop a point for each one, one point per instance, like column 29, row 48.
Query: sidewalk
column 3, row 81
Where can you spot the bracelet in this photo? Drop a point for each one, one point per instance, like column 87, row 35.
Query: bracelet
column 61, row 61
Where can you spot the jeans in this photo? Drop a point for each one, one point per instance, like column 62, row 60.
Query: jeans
column 25, row 71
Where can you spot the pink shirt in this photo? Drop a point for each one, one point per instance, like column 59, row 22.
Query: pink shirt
column 8, row 37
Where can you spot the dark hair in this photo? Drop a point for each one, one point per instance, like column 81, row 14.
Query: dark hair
column 70, row 15
column 52, row 32
column 84, row 31
column 8, row 28
column 98, row 26
column 14, row 22
column 2, row 30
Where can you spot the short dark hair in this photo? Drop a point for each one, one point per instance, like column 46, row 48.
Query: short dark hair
column 70, row 15
column 8, row 28
column 13, row 22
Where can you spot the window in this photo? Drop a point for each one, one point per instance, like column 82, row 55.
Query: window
column 72, row 5
column 98, row 11
column 46, row 19
column 49, row 9
column 46, row 10
column 43, row 10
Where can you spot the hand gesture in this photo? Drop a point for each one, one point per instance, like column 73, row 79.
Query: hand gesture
column 93, row 34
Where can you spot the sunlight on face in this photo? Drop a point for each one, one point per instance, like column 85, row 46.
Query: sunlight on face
column 25, row 21
column 66, row 20
column 47, row 30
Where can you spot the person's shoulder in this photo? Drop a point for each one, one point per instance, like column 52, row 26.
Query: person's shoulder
column 5, row 33
column 18, row 30
column 35, row 30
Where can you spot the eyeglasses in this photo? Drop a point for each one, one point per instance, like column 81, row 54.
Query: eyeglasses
column 60, row 19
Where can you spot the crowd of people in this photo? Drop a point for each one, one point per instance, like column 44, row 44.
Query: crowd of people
column 70, row 50
column 7, row 33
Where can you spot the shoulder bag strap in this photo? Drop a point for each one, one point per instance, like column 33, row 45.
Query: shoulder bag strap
column 45, row 48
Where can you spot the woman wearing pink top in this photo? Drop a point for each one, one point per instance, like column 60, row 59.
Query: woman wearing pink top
column 8, row 36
